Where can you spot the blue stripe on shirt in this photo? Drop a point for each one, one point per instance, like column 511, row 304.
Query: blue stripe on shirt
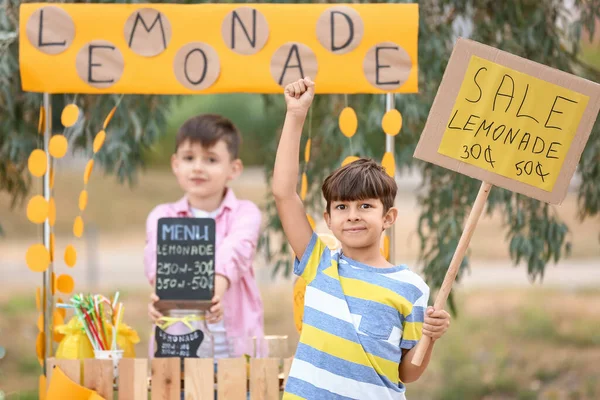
column 346, row 330
column 344, row 368
column 311, row 392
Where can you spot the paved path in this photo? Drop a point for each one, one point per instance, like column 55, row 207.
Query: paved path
column 121, row 266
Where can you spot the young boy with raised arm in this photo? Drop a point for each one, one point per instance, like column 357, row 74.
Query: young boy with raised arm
column 362, row 315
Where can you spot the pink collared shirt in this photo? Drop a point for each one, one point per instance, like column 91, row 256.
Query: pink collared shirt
column 237, row 229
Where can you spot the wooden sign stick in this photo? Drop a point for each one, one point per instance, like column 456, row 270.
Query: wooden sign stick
column 459, row 254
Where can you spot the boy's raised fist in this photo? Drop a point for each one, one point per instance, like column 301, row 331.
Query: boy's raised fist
column 299, row 95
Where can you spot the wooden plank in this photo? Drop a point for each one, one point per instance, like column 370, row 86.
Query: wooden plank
column 264, row 379
column 98, row 376
column 232, row 379
column 287, row 365
column 166, row 379
column 199, row 379
column 133, row 379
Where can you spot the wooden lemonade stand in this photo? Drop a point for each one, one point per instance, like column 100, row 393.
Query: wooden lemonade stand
column 175, row 49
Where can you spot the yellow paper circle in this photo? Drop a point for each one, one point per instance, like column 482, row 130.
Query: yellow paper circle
column 349, row 160
column 99, row 140
column 299, row 290
column 57, row 319
column 348, row 122
column 61, row 311
column 52, row 211
column 65, row 283
column 58, row 146
column 392, row 122
column 40, row 323
column 37, row 162
column 304, row 186
column 69, row 115
column 42, row 120
column 37, row 209
column 83, row 200
column 39, row 345
column 311, row 222
column 52, row 241
column 37, row 258
column 88, row 171
column 109, row 117
column 388, row 163
column 38, row 299
column 385, row 250
column 307, row 151
column 51, row 177
column 70, row 256
column 78, row 227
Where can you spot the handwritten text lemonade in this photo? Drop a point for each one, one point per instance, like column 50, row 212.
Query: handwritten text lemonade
column 512, row 124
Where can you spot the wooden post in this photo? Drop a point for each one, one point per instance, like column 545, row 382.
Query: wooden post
column 166, row 379
column 459, row 254
column 133, row 379
column 199, row 379
column 98, row 376
column 264, row 379
column 232, row 379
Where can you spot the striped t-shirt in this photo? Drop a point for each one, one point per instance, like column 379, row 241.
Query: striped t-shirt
column 357, row 320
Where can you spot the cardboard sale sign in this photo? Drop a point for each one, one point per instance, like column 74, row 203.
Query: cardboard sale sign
column 509, row 121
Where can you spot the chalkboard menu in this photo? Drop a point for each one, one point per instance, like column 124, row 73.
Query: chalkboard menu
column 183, row 346
column 185, row 262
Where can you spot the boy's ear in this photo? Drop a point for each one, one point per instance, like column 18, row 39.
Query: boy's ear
column 327, row 218
column 236, row 168
column 390, row 217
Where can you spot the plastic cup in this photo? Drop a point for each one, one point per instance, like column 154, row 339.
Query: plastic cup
column 114, row 355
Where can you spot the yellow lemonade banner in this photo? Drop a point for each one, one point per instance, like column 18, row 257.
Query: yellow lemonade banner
column 217, row 48
column 512, row 123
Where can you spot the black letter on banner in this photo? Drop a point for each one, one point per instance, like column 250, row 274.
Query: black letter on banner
column 185, row 63
column 478, row 87
column 158, row 19
column 350, row 25
column 90, row 64
column 293, row 49
column 378, row 66
column 251, row 40
column 511, row 95
column 40, row 41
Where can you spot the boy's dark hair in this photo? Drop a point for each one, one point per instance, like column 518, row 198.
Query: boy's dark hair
column 208, row 129
column 360, row 180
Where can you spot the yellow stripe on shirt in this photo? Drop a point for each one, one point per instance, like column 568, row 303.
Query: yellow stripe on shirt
column 412, row 331
column 347, row 350
column 312, row 265
column 368, row 291
column 291, row 396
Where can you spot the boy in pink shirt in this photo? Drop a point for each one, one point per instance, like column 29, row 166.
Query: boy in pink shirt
column 205, row 160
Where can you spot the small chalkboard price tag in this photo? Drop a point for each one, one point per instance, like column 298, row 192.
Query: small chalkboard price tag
column 182, row 346
column 185, row 263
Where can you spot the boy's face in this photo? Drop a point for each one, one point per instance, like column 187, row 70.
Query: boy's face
column 359, row 224
column 204, row 172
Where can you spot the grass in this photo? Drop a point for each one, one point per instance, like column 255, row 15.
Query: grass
column 17, row 305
